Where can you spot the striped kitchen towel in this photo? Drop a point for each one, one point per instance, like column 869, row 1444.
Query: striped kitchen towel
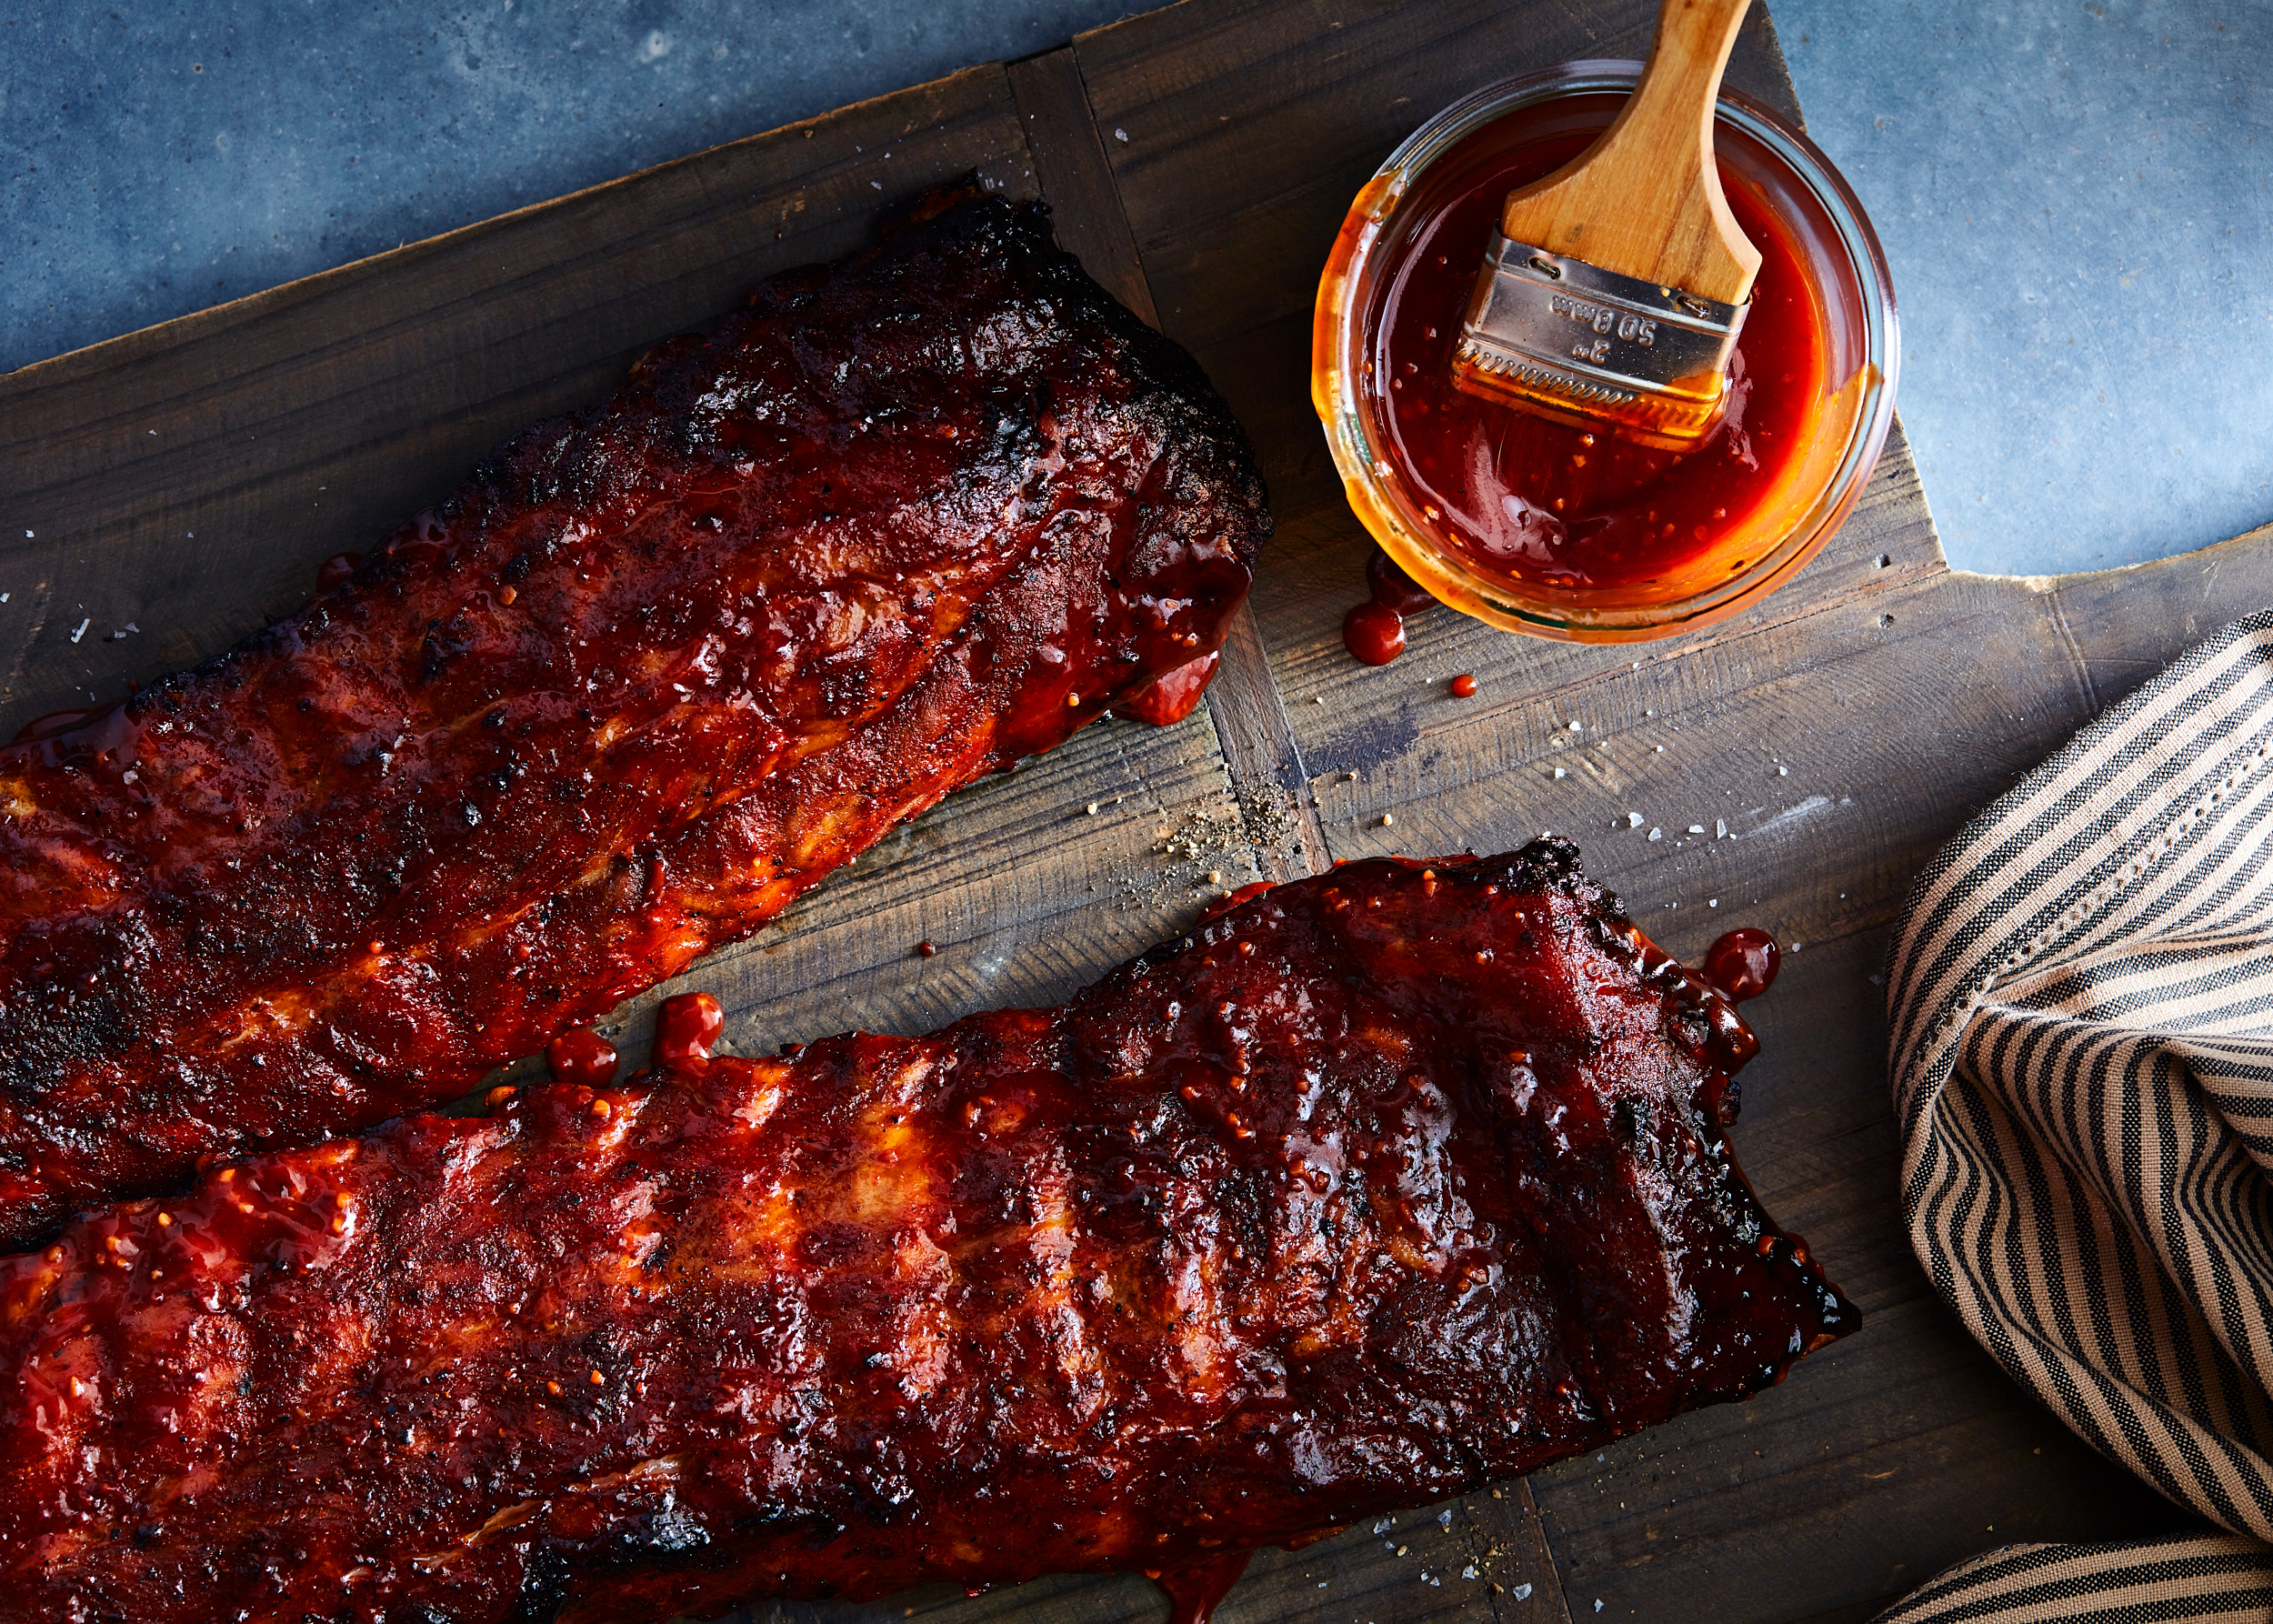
column 2082, row 1005
column 2131, row 1581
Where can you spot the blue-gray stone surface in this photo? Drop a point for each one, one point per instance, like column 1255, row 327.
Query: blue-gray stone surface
column 162, row 158
column 2075, row 200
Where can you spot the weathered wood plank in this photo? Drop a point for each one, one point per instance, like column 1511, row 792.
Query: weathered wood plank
column 1475, row 1559
column 1075, row 177
column 1258, row 741
column 2122, row 626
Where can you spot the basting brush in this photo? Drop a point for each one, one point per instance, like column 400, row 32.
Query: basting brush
column 1614, row 290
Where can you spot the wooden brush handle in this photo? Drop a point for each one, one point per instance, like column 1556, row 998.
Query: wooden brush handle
column 1645, row 199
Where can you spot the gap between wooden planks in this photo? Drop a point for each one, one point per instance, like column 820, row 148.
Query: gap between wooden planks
column 1075, row 173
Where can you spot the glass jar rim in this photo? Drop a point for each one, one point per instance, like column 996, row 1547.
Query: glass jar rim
column 1544, row 610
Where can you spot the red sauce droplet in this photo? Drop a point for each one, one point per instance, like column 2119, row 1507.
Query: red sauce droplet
column 336, row 569
column 1374, row 632
column 54, row 722
column 686, row 1028
column 925, row 950
column 1391, row 585
column 1743, row 964
column 1464, row 687
column 1173, row 695
column 581, row 1057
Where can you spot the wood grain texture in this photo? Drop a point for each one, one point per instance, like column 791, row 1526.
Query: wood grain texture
column 1075, row 176
column 1840, row 730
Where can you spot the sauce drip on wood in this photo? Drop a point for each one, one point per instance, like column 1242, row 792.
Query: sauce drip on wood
column 686, row 1028
column 1194, row 1593
column 1172, row 695
column 54, row 722
column 334, row 570
column 1374, row 632
column 1391, row 585
column 1743, row 964
column 582, row 1058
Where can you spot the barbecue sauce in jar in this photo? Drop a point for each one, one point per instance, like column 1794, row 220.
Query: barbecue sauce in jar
column 1554, row 502
column 1567, row 530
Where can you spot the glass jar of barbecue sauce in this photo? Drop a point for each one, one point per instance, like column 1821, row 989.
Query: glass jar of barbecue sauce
column 1568, row 531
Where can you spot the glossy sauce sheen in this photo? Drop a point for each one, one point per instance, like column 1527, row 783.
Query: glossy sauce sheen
column 1743, row 963
column 582, row 1057
column 655, row 671
column 1374, row 631
column 1379, row 1185
column 1548, row 502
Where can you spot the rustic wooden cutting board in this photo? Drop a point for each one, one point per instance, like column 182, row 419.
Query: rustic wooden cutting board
column 166, row 493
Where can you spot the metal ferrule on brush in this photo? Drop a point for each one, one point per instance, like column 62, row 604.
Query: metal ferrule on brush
column 1582, row 345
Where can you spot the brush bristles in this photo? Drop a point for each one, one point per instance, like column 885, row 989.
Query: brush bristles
column 1513, row 373
column 1665, row 421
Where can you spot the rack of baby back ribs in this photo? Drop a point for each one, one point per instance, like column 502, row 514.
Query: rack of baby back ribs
column 652, row 672
column 1376, row 1185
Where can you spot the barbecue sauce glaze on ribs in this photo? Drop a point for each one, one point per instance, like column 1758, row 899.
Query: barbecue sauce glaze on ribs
column 1377, row 1186
column 654, row 671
